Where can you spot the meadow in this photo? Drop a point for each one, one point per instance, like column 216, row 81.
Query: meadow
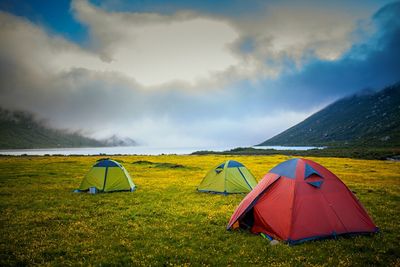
column 166, row 222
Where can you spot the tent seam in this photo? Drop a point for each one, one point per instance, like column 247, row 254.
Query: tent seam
column 294, row 196
column 245, row 178
column 105, row 179
column 225, row 170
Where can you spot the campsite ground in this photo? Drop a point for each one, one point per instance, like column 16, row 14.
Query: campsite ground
column 166, row 222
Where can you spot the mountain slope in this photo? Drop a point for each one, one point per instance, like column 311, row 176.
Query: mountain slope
column 21, row 130
column 368, row 118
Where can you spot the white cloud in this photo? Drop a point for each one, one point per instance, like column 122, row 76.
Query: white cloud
column 156, row 49
column 195, row 50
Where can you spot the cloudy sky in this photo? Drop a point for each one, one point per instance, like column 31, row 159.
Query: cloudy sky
column 191, row 73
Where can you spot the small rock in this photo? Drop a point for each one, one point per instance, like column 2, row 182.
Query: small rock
column 274, row 242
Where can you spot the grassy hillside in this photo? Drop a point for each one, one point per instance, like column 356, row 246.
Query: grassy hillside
column 365, row 119
column 166, row 222
column 21, row 130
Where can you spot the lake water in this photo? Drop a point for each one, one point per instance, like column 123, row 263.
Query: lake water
column 128, row 150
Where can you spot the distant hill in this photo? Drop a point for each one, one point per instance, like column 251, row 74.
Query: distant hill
column 21, row 130
column 368, row 118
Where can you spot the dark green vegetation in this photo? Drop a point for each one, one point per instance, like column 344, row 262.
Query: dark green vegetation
column 167, row 165
column 21, row 130
column 382, row 153
column 369, row 119
column 166, row 222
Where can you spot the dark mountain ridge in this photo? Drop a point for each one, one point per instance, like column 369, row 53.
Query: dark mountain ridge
column 20, row 130
column 367, row 118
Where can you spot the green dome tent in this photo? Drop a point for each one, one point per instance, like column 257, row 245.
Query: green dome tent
column 107, row 176
column 229, row 177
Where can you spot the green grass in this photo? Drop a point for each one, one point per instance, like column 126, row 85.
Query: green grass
column 166, row 222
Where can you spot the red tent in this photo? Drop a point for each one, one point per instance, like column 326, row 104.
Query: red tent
column 300, row 200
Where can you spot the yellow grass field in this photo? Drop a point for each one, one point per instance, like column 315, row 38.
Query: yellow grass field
column 167, row 222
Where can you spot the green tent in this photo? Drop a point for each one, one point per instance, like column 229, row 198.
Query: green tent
column 228, row 178
column 107, row 176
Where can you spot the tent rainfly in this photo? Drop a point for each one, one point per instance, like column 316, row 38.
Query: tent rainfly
column 229, row 177
column 107, row 176
column 300, row 200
